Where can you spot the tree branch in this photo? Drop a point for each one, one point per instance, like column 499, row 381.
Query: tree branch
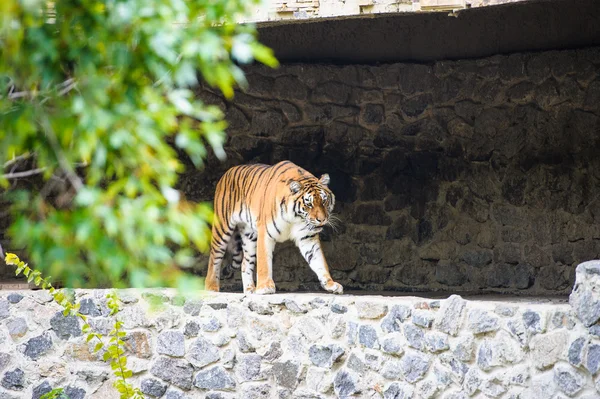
column 62, row 160
column 31, row 172
column 17, row 159
column 61, row 88
column 26, row 173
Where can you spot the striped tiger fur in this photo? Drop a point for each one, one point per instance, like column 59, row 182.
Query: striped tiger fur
column 259, row 205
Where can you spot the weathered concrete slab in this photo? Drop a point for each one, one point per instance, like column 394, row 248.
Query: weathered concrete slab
column 422, row 37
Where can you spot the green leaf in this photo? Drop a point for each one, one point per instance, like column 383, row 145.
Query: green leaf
column 19, row 270
column 264, row 55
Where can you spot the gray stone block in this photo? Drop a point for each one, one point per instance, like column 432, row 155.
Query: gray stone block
column 211, row 324
column 585, row 297
column 88, row 307
column 398, row 390
column 202, row 352
column 14, row 298
column 568, row 379
column 325, row 355
column 414, row 365
column 41, row 390
column 216, row 378
column 345, row 383
column 393, row 344
column 593, row 359
column 171, row 343
column 367, row 336
column 248, row 367
column 422, row 318
column 66, row 326
column 394, row 319
column 38, row 346
column 17, row 328
column 480, row 321
column 14, row 380
column 436, row 342
column 191, row 329
column 575, row 354
column 175, row 371
column 286, row 373
column 414, row 336
column 449, row 316
column 153, row 387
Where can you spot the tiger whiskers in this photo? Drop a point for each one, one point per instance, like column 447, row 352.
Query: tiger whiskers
column 334, row 222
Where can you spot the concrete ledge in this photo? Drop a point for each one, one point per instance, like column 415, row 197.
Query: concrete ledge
column 422, row 37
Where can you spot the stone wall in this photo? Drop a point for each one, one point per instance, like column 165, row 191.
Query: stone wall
column 472, row 175
column 309, row 346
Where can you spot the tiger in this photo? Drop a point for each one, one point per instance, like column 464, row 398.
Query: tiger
column 257, row 206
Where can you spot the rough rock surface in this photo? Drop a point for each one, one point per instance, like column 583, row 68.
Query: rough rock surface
column 462, row 174
column 585, row 298
column 419, row 348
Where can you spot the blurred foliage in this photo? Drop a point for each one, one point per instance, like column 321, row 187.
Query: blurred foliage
column 96, row 99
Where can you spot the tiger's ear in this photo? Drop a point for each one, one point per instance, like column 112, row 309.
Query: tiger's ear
column 295, row 187
column 324, row 180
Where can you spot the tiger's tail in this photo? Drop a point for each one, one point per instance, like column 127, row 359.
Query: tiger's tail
column 218, row 248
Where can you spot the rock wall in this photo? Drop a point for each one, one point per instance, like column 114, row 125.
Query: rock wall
column 309, row 346
column 472, row 175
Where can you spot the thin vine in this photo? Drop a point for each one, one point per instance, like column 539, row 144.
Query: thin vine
column 56, row 393
column 115, row 351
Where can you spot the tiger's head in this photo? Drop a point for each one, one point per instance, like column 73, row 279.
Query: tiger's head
column 314, row 200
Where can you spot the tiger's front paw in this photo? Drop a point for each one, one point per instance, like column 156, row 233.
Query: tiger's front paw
column 266, row 288
column 335, row 288
column 211, row 286
column 249, row 289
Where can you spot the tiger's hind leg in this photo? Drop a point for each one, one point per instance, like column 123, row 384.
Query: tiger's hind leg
column 248, row 238
column 218, row 248
column 235, row 248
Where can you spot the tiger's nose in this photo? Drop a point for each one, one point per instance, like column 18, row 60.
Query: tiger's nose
column 319, row 222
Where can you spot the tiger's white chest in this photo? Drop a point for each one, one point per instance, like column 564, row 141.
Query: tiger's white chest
column 291, row 228
column 283, row 227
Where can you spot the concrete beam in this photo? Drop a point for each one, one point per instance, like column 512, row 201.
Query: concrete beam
column 421, row 37
column 286, row 11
